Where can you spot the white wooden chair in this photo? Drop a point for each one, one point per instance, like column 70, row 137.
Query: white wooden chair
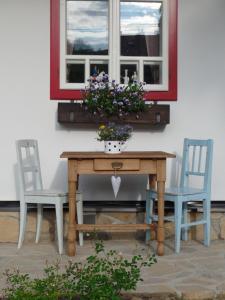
column 31, row 191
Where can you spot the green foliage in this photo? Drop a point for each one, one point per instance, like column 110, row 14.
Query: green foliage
column 110, row 99
column 101, row 277
column 113, row 132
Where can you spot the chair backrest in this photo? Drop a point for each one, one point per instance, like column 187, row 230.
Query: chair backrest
column 197, row 161
column 28, row 165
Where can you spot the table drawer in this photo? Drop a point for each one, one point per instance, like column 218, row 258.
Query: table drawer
column 116, row 164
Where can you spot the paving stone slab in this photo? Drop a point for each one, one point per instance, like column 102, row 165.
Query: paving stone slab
column 197, row 273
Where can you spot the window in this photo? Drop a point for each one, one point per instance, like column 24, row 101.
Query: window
column 128, row 39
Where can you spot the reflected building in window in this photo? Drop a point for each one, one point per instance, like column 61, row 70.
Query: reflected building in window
column 140, row 45
column 140, row 28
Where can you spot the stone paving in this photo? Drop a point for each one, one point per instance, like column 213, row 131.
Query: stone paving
column 196, row 273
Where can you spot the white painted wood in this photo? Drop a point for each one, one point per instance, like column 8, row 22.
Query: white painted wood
column 23, row 220
column 165, row 58
column 39, row 221
column 80, row 216
column 59, row 223
column 31, row 191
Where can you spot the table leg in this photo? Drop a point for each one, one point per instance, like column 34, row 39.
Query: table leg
column 160, row 227
column 72, row 187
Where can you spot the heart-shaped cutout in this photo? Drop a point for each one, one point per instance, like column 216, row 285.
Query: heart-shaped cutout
column 115, row 184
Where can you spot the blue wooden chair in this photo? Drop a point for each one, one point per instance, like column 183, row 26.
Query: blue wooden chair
column 197, row 162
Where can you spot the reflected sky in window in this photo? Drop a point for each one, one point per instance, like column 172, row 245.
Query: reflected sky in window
column 87, row 27
column 140, row 18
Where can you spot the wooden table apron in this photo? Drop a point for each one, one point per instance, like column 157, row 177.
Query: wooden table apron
column 144, row 162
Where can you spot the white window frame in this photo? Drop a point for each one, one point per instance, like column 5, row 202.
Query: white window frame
column 114, row 58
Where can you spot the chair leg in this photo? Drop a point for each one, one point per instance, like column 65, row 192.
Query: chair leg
column 39, row 221
column 185, row 230
column 59, row 223
column 207, row 226
column 148, row 214
column 80, row 217
column 23, row 220
column 178, row 218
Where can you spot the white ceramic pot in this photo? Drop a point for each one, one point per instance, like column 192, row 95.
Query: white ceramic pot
column 113, row 147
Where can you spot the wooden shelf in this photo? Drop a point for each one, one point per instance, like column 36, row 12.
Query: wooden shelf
column 74, row 113
column 115, row 227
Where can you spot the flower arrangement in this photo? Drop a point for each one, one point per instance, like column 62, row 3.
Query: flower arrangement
column 111, row 99
column 113, row 132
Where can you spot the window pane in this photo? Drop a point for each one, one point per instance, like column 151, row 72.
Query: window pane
column 87, row 27
column 75, row 72
column 141, row 28
column 128, row 72
column 96, row 67
column 153, row 73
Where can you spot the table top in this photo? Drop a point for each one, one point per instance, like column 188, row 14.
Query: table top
column 127, row 154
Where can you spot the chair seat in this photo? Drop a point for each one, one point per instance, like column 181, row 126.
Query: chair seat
column 46, row 193
column 177, row 191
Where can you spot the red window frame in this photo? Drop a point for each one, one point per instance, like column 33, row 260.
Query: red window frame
column 62, row 94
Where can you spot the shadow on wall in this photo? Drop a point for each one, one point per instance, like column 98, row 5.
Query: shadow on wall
column 175, row 170
column 99, row 187
column 16, row 180
column 60, row 180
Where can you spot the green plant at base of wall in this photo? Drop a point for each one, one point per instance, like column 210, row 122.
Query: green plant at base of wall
column 101, row 277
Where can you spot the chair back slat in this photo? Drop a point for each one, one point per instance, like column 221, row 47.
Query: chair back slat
column 193, row 159
column 200, row 159
column 197, row 161
column 29, row 165
column 196, row 173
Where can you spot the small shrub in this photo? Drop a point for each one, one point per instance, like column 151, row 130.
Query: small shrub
column 101, row 277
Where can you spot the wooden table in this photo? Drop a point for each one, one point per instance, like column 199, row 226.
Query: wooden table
column 150, row 163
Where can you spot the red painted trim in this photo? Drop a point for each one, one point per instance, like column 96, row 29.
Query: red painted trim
column 59, row 94
column 54, row 48
column 171, row 94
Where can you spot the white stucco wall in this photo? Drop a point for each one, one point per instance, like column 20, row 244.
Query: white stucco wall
column 27, row 112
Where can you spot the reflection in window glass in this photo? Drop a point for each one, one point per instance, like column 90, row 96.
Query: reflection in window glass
column 152, row 73
column 128, row 73
column 75, row 73
column 140, row 28
column 87, row 27
column 97, row 67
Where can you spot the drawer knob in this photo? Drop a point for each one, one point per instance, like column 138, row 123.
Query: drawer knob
column 117, row 165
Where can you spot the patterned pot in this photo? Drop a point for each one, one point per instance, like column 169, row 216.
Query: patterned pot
column 113, row 147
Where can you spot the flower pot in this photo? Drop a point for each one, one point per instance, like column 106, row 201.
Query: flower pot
column 113, row 147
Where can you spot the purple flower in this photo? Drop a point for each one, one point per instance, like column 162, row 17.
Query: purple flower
column 107, row 98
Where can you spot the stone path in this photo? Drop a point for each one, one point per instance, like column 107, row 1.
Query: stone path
column 196, row 273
